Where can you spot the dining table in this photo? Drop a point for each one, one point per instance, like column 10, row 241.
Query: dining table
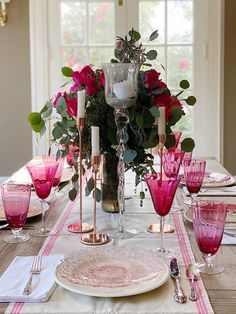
column 216, row 293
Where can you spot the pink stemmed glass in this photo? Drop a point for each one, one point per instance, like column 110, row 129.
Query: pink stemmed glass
column 58, row 175
column 162, row 191
column 16, row 199
column 42, row 172
column 187, row 157
column 171, row 162
column 177, row 135
column 208, row 222
column 194, row 171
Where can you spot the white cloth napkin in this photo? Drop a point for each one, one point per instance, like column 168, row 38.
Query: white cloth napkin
column 14, row 279
column 227, row 239
column 214, row 192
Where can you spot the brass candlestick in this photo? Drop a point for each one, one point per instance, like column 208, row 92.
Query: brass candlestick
column 80, row 227
column 95, row 238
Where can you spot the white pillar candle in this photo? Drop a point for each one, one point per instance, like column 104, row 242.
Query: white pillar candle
column 124, row 90
column 162, row 121
column 95, row 141
column 81, row 104
column 3, row 5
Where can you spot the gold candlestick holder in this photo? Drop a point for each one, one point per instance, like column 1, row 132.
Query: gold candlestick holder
column 80, row 227
column 95, row 238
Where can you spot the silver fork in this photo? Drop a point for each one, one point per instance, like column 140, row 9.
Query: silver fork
column 35, row 269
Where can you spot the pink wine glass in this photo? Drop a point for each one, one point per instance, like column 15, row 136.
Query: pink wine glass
column 208, row 222
column 194, row 171
column 162, row 191
column 171, row 162
column 177, row 135
column 16, row 199
column 42, row 172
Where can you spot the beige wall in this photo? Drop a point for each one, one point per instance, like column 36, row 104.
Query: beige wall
column 15, row 104
column 229, row 87
column 15, row 135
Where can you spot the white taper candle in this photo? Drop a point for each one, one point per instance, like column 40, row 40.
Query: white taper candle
column 95, row 141
column 81, row 104
column 162, row 121
column 3, row 5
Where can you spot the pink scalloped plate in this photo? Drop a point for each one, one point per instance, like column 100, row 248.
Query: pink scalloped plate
column 112, row 271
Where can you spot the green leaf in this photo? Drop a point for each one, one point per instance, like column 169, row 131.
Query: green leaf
column 155, row 112
column 98, row 195
column 46, row 111
column 112, row 136
column 148, row 119
column 66, row 71
column 191, row 100
column 151, row 55
column 188, row 144
column 39, row 127
column 34, row 118
column 72, row 194
column 58, row 154
column 176, row 114
column 134, row 34
column 142, row 195
column 157, row 91
column 184, row 84
column 62, row 185
column 139, row 120
column 170, row 141
column 154, row 35
column 75, row 178
column 61, row 105
column 129, row 155
column 57, row 132
column 90, row 184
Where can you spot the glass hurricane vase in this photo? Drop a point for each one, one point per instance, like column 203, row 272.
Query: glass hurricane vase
column 121, row 80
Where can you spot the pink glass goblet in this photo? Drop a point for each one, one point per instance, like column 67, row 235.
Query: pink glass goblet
column 162, row 191
column 177, row 135
column 16, row 198
column 171, row 162
column 187, row 157
column 58, row 175
column 42, row 172
column 194, row 172
column 208, row 222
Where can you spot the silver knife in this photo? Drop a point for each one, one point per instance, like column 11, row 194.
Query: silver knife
column 175, row 274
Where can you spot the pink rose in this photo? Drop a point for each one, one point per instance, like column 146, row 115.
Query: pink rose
column 72, row 107
column 91, row 87
column 102, row 78
column 168, row 102
column 152, row 80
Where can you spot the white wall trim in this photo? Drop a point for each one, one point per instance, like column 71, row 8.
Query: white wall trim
column 39, row 62
column 215, row 78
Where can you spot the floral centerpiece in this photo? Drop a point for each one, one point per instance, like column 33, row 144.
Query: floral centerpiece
column 142, row 131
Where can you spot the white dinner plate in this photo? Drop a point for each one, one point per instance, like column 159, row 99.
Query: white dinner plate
column 112, row 272
column 230, row 219
column 215, row 179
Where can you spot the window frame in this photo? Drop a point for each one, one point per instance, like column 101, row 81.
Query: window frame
column 208, row 119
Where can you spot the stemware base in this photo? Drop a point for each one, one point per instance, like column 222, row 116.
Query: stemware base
column 43, row 232
column 94, row 239
column 211, row 270
column 164, row 253
column 155, row 228
column 125, row 234
column 76, row 228
column 13, row 239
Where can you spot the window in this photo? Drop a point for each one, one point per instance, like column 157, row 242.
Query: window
column 83, row 31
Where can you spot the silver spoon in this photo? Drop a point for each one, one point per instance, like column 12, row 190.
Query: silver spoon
column 192, row 273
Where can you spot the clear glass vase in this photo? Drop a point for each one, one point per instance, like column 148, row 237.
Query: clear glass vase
column 109, row 183
column 121, row 83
